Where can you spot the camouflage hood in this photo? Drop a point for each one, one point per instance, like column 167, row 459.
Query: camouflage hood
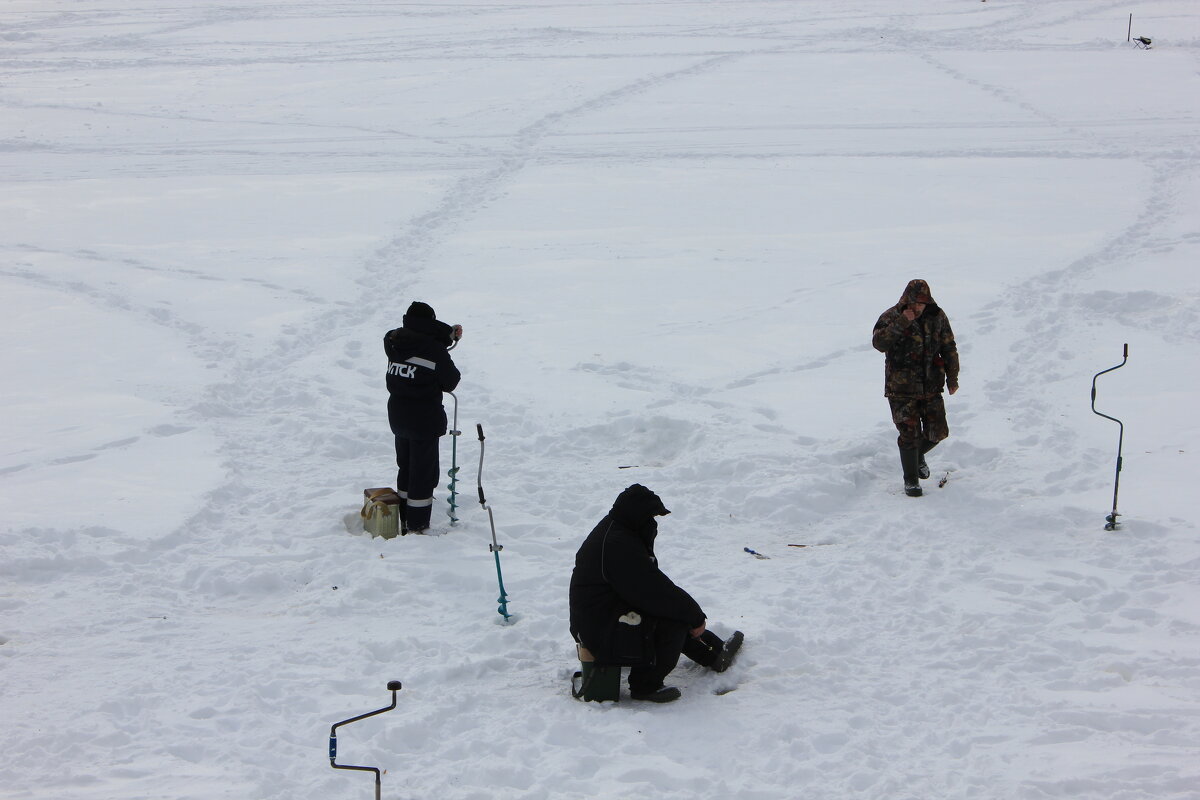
column 917, row 291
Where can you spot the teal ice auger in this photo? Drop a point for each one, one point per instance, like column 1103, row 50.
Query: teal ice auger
column 1112, row 524
column 494, row 546
column 452, row 499
column 393, row 686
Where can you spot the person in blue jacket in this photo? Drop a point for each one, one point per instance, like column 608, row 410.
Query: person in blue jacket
column 419, row 371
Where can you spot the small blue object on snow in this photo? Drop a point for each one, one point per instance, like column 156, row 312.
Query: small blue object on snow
column 754, row 553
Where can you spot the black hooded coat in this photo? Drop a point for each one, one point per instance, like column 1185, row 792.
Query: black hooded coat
column 419, row 370
column 616, row 572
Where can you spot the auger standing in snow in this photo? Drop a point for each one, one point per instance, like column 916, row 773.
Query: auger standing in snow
column 627, row 612
column 1111, row 521
column 495, row 546
column 920, row 358
column 452, row 473
column 419, row 371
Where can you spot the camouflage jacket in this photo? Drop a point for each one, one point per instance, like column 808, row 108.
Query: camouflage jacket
column 920, row 356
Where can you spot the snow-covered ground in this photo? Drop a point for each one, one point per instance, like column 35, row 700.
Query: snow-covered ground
column 667, row 228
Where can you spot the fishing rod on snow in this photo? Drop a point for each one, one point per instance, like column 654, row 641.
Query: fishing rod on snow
column 1112, row 524
column 393, row 686
column 452, row 498
column 495, row 547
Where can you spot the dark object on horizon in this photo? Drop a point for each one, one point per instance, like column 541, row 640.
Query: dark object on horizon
column 1142, row 42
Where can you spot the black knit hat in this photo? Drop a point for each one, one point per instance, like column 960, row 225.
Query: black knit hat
column 419, row 309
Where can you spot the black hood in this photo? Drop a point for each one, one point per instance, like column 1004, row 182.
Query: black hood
column 429, row 326
column 637, row 507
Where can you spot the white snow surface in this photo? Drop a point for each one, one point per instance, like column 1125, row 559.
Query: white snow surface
column 668, row 228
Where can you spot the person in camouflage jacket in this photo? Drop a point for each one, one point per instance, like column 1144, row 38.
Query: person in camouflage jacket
column 921, row 358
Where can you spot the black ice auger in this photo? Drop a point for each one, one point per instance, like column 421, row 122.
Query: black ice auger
column 1112, row 524
column 393, row 686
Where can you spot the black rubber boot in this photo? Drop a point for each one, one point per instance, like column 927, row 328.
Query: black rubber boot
column 728, row 652
column 666, row 694
column 909, row 459
column 922, row 467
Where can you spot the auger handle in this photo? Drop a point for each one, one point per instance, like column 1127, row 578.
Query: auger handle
column 479, row 481
column 393, row 687
column 1124, row 359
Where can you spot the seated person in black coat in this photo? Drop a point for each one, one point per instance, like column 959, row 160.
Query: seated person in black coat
column 627, row 612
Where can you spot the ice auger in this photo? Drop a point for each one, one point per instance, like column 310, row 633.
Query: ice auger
column 1112, row 524
column 494, row 546
column 393, row 686
column 452, row 498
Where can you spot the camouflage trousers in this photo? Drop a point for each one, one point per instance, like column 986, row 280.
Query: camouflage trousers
column 919, row 420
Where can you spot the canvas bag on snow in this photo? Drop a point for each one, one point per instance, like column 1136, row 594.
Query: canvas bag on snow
column 381, row 512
